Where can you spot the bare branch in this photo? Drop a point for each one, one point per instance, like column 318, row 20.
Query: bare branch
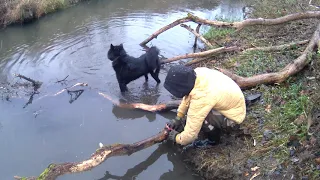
column 197, row 35
column 196, row 38
column 151, row 108
column 202, row 54
column 278, row 77
column 171, row 25
column 277, row 48
column 238, row 25
column 99, row 156
column 35, row 84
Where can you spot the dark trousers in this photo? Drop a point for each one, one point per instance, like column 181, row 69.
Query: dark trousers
column 215, row 124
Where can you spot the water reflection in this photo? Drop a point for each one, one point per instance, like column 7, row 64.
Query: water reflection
column 172, row 154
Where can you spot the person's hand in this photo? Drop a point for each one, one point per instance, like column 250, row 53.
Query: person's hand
column 172, row 135
column 175, row 123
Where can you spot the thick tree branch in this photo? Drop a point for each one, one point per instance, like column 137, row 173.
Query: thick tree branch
column 151, row 108
column 259, row 21
column 238, row 25
column 98, row 157
column 202, row 54
column 171, row 25
column 278, row 77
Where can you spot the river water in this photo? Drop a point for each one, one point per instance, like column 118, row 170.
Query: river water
column 74, row 43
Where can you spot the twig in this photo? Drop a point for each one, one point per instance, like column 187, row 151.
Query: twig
column 202, row 54
column 62, row 79
column 197, row 35
column 99, row 156
column 277, row 48
column 35, row 84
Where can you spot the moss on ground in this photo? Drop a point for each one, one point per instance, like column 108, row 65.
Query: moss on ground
column 276, row 137
column 22, row 11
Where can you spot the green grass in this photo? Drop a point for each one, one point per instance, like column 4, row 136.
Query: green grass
column 218, row 33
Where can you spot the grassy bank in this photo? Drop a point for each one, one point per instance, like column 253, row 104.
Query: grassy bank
column 21, row 11
column 277, row 138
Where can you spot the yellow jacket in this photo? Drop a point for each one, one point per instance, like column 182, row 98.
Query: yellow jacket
column 212, row 90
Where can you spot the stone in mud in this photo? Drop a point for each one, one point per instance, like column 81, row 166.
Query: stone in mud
column 268, row 135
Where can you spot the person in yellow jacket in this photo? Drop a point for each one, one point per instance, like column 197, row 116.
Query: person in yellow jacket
column 211, row 101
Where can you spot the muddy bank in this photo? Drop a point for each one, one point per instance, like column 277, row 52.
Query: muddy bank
column 16, row 11
column 280, row 137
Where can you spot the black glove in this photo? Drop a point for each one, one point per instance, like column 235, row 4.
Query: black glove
column 172, row 135
column 175, row 123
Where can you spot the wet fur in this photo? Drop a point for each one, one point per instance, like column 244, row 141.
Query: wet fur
column 129, row 68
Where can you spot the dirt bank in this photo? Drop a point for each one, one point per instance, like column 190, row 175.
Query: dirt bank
column 22, row 11
column 275, row 141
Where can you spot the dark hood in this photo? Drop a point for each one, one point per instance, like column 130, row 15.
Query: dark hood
column 180, row 80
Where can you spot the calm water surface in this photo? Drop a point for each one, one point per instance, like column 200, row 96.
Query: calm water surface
column 74, row 43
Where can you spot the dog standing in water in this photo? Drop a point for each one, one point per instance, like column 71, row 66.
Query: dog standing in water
column 129, row 68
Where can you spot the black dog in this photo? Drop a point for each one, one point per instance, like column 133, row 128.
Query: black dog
column 129, row 68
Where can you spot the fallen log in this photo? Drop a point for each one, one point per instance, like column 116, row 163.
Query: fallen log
column 197, row 35
column 99, row 156
column 237, row 25
column 278, row 77
column 202, row 54
column 151, row 108
column 259, row 21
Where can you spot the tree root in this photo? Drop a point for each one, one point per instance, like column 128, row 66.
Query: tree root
column 151, row 108
column 55, row 170
column 278, row 77
column 197, row 35
column 238, row 25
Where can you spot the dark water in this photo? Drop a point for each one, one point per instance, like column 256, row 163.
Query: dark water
column 75, row 42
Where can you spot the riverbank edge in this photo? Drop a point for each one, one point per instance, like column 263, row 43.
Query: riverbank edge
column 26, row 11
column 276, row 144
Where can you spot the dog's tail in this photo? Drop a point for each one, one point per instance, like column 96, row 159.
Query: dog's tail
column 152, row 58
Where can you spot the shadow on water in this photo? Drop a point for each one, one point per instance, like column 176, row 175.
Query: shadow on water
column 38, row 129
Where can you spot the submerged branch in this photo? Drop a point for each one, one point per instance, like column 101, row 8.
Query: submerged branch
column 35, row 84
column 99, row 156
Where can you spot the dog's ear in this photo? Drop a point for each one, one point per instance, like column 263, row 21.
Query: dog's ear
column 121, row 46
column 111, row 46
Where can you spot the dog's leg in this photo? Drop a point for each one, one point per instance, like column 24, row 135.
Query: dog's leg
column 146, row 76
column 155, row 75
column 123, row 87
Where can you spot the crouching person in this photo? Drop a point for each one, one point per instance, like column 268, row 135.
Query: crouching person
column 212, row 102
